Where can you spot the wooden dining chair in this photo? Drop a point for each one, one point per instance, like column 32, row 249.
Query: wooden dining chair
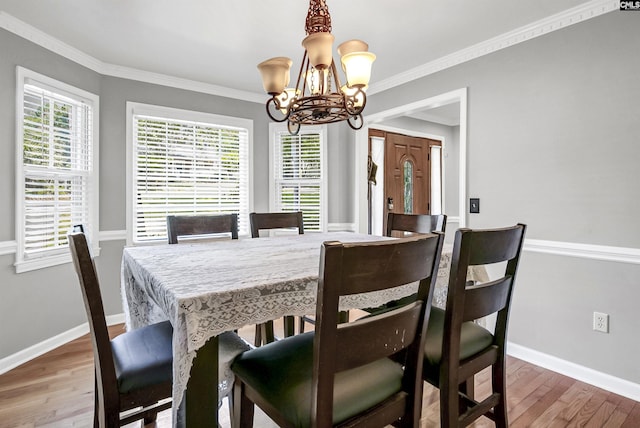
column 457, row 348
column 132, row 371
column 416, row 223
column 362, row 373
column 191, row 225
column 269, row 221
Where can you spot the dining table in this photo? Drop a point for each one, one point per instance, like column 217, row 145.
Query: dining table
column 207, row 288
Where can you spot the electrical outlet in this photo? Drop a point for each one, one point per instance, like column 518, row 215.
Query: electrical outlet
column 601, row 322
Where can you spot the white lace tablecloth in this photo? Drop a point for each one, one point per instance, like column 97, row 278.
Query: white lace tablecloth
column 208, row 288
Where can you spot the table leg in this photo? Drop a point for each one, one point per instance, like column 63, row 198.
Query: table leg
column 289, row 326
column 200, row 404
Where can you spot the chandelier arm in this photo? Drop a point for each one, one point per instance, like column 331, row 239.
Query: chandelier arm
column 336, row 77
column 275, row 104
column 293, row 128
column 302, row 67
column 350, row 102
column 357, row 122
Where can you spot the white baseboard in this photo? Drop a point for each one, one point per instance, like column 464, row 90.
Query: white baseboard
column 28, row 354
column 584, row 374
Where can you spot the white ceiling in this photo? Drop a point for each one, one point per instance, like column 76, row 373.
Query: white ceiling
column 221, row 42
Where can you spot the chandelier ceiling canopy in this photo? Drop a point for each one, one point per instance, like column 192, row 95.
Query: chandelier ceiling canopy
column 318, row 96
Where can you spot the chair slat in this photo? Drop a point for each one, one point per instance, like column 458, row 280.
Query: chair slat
column 185, row 225
column 280, row 220
column 377, row 336
column 494, row 246
column 377, row 266
column 487, row 298
column 416, row 223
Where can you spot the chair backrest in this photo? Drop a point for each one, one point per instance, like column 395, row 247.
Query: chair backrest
column 106, row 383
column 467, row 301
column 353, row 268
column 264, row 221
column 186, row 225
column 416, row 223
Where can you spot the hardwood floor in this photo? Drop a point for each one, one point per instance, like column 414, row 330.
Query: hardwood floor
column 56, row 390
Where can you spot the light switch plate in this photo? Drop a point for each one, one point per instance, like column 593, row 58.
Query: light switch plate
column 474, row 205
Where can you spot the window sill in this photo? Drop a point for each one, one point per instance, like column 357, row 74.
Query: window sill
column 47, row 261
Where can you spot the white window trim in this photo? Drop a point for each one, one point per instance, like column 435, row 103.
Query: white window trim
column 274, row 129
column 134, row 108
column 23, row 76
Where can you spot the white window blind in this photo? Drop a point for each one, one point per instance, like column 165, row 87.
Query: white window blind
column 298, row 175
column 58, row 183
column 184, row 167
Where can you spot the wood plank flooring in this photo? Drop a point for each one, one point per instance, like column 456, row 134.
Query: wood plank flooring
column 56, row 390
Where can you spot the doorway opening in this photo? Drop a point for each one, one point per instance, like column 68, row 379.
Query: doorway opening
column 404, row 176
column 454, row 191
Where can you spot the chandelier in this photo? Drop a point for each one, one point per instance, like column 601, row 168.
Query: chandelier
column 318, row 96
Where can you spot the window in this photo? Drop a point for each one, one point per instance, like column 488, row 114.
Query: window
column 185, row 163
column 297, row 171
column 56, row 168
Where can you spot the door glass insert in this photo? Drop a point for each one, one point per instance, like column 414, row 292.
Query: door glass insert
column 408, row 187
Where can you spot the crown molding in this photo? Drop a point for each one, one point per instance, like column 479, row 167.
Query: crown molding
column 539, row 28
column 40, row 38
column 544, row 26
column 178, row 82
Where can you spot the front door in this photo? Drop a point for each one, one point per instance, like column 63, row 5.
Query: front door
column 407, row 174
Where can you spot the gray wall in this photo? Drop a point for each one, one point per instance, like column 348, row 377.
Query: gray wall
column 38, row 305
column 554, row 142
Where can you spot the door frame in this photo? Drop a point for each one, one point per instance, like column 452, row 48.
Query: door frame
column 362, row 151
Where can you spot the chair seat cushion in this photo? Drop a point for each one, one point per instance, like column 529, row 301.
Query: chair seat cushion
column 281, row 372
column 143, row 357
column 473, row 339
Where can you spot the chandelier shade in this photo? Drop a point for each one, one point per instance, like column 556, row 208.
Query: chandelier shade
column 275, row 74
column 357, row 67
column 318, row 96
column 318, row 47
